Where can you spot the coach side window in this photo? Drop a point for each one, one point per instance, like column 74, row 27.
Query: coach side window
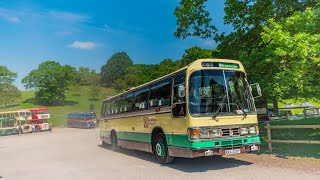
column 179, row 103
column 160, row 94
column 114, row 107
column 140, row 99
column 126, row 103
column 105, row 109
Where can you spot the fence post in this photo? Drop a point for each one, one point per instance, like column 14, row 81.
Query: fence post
column 269, row 138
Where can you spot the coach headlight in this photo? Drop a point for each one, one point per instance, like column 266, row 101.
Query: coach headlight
column 204, row 133
column 244, row 131
column 215, row 132
column 252, row 130
column 249, row 130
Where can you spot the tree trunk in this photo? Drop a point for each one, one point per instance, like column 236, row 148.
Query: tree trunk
column 275, row 105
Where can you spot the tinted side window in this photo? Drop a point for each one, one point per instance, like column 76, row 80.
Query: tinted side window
column 104, row 109
column 126, row 103
column 179, row 105
column 114, row 106
column 178, row 80
column 141, row 99
column 160, row 94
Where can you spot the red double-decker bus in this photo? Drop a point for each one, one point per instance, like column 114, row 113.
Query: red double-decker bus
column 40, row 118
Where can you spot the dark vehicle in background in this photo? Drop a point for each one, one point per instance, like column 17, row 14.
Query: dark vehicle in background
column 262, row 111
column 82, row 120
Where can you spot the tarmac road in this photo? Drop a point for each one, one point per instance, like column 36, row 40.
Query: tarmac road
column 78, row 154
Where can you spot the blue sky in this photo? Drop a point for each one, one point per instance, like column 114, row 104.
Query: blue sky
column 87, row 33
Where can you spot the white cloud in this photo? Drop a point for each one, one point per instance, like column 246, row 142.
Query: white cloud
column 84, row 45
column 9, row 15
column 68, row 16
column 13, row 19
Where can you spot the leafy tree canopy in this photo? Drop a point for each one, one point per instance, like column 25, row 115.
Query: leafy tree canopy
column 6, row 76
column 248, row 44
column 88, row 76
column 135, row 75
column 115, row 68
column 52, row 80
column 8, row 92
column 193, row 54
column 294, row 44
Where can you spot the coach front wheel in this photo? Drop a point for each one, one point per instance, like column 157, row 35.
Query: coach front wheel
column 161, row 150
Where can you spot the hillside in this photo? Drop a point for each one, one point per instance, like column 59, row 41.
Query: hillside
column 78, row 99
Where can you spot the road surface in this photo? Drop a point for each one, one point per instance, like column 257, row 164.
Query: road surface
column 78, row 154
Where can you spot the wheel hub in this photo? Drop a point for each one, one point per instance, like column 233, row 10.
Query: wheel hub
column 160, row 149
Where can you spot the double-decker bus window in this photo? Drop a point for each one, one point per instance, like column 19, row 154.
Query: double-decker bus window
column 160, row 94
column 141, row 99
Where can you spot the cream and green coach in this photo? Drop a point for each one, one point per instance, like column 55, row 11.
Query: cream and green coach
column 204, row 109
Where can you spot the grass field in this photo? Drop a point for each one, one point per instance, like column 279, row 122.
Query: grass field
column 302, row 150
column 296, row 102
column 78, row 99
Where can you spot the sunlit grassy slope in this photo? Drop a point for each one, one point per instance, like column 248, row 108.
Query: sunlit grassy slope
column 296, row 102
column 78, row 99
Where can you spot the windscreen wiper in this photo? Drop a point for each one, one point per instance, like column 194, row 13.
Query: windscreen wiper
column 219, row 108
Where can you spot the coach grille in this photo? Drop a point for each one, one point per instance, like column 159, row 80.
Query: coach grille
column 231, row 132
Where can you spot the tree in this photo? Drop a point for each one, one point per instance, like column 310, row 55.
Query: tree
column 52, row 80
column 6, row 76
column 115, row 68
column 8, row 92
column 135, row 75
column 248, row 19
column 193, row 54
column 94, row 93
column 294, row 45
column 88, row 76
column 165, row 67
column 193, row 19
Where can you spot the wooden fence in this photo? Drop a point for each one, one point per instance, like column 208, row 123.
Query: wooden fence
column 270, row 141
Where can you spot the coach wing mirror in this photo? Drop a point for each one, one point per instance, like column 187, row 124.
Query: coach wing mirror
column 181, row 90
column 256, row 90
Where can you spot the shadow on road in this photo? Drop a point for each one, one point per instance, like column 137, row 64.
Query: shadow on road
column 201, row 164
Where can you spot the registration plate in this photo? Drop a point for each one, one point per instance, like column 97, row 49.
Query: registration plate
column 232, row 151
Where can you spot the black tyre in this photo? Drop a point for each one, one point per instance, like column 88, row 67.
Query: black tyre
column 161, row 150
column 114, row 141
column 104, row 144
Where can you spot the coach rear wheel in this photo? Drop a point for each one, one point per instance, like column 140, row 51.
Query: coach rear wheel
column 114, row 142
column 161, row 150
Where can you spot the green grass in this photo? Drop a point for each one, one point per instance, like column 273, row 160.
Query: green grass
column 78, row 99
column 296, row 102
column 302, row 150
